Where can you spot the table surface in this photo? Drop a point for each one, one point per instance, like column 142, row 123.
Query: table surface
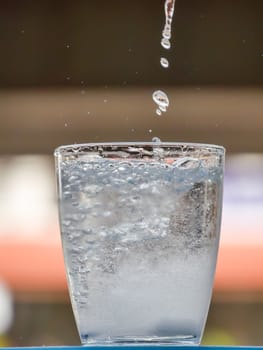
column 138, row 347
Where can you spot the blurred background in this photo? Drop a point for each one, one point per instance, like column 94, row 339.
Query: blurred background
column 84, row 71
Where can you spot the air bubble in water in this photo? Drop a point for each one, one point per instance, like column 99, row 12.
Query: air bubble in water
column 187, row 163
column 164, row 62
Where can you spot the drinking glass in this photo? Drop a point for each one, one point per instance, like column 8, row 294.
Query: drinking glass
column 140, row 226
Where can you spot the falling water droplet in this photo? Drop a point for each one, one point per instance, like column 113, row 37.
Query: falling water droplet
column 169, row 11
column 68, row 78
column 164, row 62
column 162, row 101
column 158, row 112
column 166, row 43
column 156, row 140
column 150, row 131
column 162, row 108
column 66, row 125
column 67, row 46
column 105, row 101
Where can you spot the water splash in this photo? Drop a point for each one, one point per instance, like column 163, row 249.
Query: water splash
column 156, row 140
column 162, row 101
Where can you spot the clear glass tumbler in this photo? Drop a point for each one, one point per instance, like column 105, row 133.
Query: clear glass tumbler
column 140, row 225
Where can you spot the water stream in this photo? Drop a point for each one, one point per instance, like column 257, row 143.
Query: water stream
column 160, row 97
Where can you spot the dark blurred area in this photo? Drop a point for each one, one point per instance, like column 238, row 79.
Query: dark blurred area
column 84, row 71
column 109, row 42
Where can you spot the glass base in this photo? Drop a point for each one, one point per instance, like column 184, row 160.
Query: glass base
column 141, row 340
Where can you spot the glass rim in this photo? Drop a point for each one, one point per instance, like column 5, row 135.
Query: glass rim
column 80, row 148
